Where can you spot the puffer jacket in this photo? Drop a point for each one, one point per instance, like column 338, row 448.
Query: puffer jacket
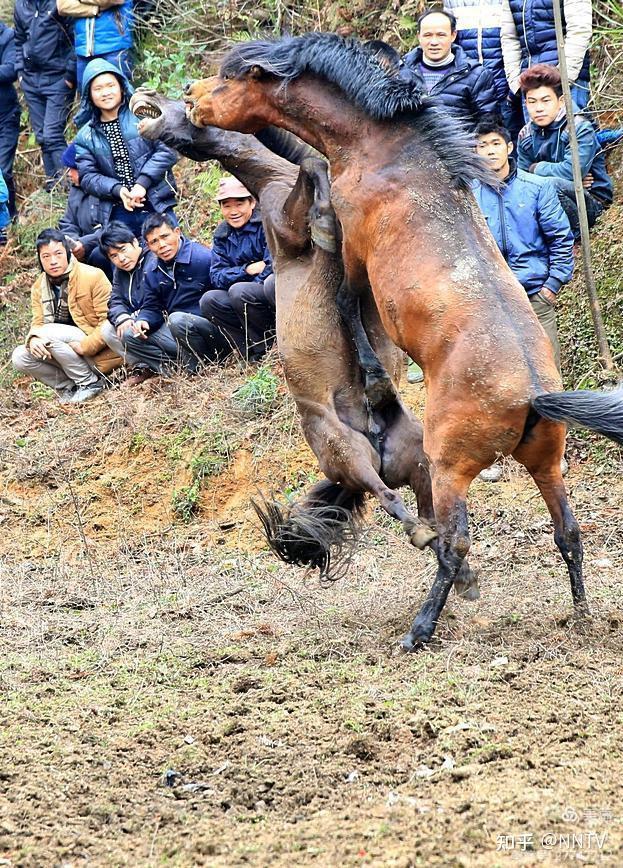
column 234, row 249
column 546, row 152
column 466, row 91
column 529, row 37
column 110, row 30
column 478, row 24
column 152, row 161
column 88, row 291
column 5, row 218
column 43, row 40
column 128, row 291
column 179, row 291
column 8, row 74
column 83, row 219
column 531, row 229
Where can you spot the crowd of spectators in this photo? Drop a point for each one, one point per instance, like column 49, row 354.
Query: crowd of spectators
column 121, row 284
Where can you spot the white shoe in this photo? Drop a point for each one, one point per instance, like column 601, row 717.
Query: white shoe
column 491, row 474
column 85, row 393
column 65, row 395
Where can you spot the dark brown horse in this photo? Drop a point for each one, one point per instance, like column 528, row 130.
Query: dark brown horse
column 358, row 450
column 400, row 178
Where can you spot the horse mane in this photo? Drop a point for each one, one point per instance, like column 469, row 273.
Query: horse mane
column 357, row 72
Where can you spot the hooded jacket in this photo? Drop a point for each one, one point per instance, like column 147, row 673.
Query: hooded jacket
column 152, row 161
column 478, row 24
column 546, row 151
column 8, row 74
column 128, row 291
column 466, row 91
column 234, row 249
column 181, row 290
column 110, row 30
column 88, row 291
column 531, row 229
column 43, row 40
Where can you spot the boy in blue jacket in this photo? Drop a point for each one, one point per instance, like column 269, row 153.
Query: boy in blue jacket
column 532, row 231
column 104, row 29
column 242, row 302
column 4, row 210
column 543, row 147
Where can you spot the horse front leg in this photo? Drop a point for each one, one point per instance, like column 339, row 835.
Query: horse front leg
column 451, row 548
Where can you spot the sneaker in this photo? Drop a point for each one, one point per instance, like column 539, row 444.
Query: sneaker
column 491, row 474
column 85, row 393
column 414, row 373
column 138, row 376
column 65, row 395
column 564, row 466
column 4, row 238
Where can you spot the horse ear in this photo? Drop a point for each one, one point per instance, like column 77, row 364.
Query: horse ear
column 255, row 71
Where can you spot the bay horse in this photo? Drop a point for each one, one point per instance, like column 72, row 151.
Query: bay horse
column 358, row 450
column 401, row 172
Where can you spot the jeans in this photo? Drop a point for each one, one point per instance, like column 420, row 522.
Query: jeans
column 159, row 351
column 566, row 194
column 546, row 315
column 9, row 134
column 109, row 334
column 201, row 340
column 66, row 368
column 120, row 59
column 49, row 102
column 245, row 314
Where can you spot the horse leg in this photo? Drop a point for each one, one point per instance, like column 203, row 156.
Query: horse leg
column 378, row 386
column 449, row 497
column 308, row 211
column 541, row 455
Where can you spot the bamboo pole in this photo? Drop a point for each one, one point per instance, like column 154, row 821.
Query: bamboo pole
column 605, row 356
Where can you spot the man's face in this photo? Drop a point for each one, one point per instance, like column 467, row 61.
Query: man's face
column 436, row 37
column 164, row 242
column 106, row 92
column 543, row 105
column 495, row 150
column 126, row 255
column 237, row 212
column 53, row 258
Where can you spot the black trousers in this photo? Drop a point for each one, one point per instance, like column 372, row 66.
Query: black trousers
column 245, row 314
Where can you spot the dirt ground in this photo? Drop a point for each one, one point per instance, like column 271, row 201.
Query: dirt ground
column 172, row 695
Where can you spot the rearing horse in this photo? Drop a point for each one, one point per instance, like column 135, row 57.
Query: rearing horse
column 412, row 231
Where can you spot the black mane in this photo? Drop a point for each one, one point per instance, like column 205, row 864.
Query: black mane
column 364, row 81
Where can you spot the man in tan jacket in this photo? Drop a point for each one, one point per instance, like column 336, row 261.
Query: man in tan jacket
column 64, row 348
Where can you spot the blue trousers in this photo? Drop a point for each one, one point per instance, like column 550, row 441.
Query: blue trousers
column 9, row 134
column 49, row 102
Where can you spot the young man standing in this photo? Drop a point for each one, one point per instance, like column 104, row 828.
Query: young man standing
column 543, row 147
column 462, row 86
column 175, row 278
column 64, row 348
column 530, row 228
column 242, row 302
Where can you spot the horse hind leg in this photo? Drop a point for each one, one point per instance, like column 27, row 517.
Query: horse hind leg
column 322, row 220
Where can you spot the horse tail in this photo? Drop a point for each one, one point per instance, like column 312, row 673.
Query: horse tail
column 320, row 531
column 600, row 411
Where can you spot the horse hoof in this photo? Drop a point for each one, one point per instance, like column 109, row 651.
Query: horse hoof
column 469, row 592
column 379, row 391
column 422, row 536
column 416, row 639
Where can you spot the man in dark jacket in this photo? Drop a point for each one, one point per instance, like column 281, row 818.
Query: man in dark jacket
column 169, row 324
column 82, row 221
column 130, row 175
column 543, row 147
column 461, row 85
column 46, row 69
column 242, row 303
column 9, row 112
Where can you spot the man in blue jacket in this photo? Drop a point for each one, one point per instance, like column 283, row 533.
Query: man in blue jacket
column 242, row 302
column 130, row 175
column 442, row 69
column 532, row 232
column 46, row 69
column 169, row 325
column 9, row 112
column 105, row 31
column 543, row 147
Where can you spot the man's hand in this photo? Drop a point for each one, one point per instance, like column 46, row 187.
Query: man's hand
column 587, row 181
column 126, row 199
column 123, row 327
column 140, row 329
column 78, row 250
column 548, row 295
column 255, row 268
column 38, row 348
column 76, row 347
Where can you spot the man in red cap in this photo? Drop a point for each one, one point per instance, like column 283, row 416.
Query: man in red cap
column 242, row 301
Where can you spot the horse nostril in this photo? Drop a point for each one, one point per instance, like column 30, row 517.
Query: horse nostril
column 188, row 86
